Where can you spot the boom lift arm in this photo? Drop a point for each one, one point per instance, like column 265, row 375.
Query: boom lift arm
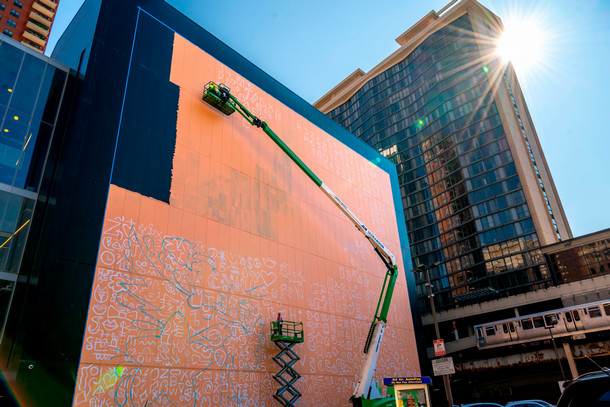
column 219, row 96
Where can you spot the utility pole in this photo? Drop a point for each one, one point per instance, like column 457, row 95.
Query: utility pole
column 426, row 270
column 563, row 375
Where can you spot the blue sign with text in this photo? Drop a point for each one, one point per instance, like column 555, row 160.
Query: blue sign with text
column 392, row 381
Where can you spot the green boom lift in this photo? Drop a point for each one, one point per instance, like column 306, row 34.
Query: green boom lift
column 219, row 96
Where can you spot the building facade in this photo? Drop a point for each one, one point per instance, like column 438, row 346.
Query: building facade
column 32, row 92
column 172, row 235
column 582, row 258
column 480, row 204
column 28, row 21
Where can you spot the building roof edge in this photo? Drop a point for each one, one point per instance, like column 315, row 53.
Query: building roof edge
column 349, row 86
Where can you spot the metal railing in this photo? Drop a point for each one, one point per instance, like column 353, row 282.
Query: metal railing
column 287, row 331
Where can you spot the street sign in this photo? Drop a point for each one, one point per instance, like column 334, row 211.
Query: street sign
column 393, row 381
column 439, row 347
column 443, row 366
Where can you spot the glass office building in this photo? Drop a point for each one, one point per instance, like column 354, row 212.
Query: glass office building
column 31, row 91
column 478, row 197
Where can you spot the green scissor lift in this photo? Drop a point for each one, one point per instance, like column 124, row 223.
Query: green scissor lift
column 285, row 336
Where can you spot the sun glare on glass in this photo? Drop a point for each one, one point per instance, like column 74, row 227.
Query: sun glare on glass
column 522, row 43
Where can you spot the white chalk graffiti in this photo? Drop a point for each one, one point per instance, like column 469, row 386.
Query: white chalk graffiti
column 171, row 313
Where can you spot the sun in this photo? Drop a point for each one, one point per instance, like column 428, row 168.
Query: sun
column 532, row 33
column 523, row 43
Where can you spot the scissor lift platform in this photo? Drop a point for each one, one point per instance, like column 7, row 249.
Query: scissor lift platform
column 285, row 336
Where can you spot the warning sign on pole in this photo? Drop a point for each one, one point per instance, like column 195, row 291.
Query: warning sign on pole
column 439, row 347
column 443, row 366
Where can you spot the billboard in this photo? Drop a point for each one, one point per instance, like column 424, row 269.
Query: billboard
column 185, row 289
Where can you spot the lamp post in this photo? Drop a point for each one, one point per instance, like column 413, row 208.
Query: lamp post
column 426, row 270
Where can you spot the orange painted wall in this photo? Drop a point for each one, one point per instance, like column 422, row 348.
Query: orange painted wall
column 184, row 293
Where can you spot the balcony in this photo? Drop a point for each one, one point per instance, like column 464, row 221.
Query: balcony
column 43, row 10
column 50, row 4
column 37, row 28
column 30, row 45
column 39, row 18
column 32, row 38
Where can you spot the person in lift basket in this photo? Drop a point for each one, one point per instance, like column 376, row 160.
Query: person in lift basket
column 279, row 323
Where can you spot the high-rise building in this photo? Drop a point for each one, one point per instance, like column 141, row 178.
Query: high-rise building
column 28, row 21
column 477, row 192
column 478, row 196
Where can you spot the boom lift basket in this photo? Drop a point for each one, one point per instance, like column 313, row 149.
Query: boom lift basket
column 218, row 96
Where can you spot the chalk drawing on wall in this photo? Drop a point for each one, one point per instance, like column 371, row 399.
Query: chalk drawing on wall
column 167, row 304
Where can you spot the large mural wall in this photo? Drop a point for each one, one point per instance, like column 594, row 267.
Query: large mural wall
column 184, row 292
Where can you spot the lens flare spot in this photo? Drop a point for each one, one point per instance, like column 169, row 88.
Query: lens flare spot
column 421, row 122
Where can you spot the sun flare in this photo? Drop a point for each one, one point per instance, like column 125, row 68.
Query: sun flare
column 522, row 43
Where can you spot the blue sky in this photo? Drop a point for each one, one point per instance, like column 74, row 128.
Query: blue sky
column 310, row 46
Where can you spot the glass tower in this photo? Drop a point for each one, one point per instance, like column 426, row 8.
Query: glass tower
column 477, row 195
column 31, row 89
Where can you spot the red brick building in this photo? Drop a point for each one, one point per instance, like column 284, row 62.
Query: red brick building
column 28, row 21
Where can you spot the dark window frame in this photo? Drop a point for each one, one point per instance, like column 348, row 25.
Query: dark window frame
column 576, row 315
column 595, row 312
